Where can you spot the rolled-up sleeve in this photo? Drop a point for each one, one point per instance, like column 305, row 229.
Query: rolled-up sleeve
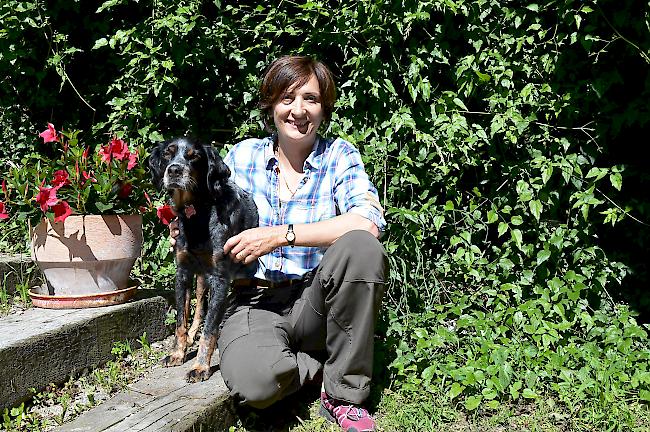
column 353, row 191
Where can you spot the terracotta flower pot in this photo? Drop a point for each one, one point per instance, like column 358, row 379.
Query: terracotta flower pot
column 87, row 255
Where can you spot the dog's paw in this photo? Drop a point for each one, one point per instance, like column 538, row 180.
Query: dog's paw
column 199, row 373
column 173, row 359
column 191, row 336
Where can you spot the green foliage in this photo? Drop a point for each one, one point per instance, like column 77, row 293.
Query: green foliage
column 501, row 137
column 121, row 349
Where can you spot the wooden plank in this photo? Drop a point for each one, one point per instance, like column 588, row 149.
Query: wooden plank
column 162, row 402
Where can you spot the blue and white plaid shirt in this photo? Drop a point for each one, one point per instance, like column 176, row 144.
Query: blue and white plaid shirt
column 335, row 182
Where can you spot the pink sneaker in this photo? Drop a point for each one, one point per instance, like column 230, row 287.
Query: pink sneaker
column 350, row 417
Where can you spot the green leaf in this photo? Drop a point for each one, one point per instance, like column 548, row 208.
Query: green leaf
column 547, row 173
column 472, row 402
column 542, row 256
column 455, row 390
column 496, row 125
column 529, row 394
column 389, row 86
column 100, row 43
column 460, row 104
column 155, row 136
column 103, row 207
column 438, row 220
column 429, row 373
column 616, row 180
column 503, row 227
column 535, row 208
column 517, row 237
column 598, row 173
column 644, row 395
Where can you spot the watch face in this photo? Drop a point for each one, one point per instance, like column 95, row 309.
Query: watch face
column 291, row 236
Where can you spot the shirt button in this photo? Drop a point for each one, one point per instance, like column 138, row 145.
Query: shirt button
column 278, row 264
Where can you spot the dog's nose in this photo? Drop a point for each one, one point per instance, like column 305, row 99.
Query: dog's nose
column 175, row 170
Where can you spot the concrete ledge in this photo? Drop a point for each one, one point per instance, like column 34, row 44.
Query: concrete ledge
column 163, row 401
column 42, row 346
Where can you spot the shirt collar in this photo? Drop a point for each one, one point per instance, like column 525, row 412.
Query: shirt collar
column 269, row 155
column 314, row 159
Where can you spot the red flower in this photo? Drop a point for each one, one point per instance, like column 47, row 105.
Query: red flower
column 61, row 211
column 4, row 188
column 3, row 211
column 61, row 178
column 84, row 156
column 115, row 149
column 46, row 197
column 133, row 160
column 49, row 135
column 166, row 214
column 125, row 190
column 88, row 177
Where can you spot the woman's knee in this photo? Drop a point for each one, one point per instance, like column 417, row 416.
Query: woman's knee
column 361, row 254
column 259, row 379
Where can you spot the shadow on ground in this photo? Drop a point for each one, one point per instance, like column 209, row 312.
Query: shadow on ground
column 281, row 416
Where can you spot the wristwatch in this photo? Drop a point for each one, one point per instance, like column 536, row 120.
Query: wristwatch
column 290, row 236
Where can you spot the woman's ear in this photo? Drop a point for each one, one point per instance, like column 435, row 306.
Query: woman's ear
column 218, row 171
column 156, row 166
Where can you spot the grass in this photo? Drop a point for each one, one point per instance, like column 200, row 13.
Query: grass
column 17, row 299
column 426, row 412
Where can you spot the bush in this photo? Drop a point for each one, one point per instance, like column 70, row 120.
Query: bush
column 497, row 135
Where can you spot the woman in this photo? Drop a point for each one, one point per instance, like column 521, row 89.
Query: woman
column 312, row 304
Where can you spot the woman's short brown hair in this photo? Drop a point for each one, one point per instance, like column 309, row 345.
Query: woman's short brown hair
column 288, row 70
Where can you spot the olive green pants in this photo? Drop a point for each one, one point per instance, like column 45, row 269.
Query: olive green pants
column 276, row 339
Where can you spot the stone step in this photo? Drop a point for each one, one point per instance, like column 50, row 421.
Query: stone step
column 42, row 346
column 15, row 269
column 162, row 401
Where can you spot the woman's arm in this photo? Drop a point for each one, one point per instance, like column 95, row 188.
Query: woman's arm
column 251, row 244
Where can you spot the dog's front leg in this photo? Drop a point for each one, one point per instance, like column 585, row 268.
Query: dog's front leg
column 183, row 290
column 218, row 286
column 198, row 311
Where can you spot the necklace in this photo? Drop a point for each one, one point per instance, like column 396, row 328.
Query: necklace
column 286, row 183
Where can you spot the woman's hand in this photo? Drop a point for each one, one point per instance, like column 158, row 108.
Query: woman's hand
column 173, row 233
column 253, row 243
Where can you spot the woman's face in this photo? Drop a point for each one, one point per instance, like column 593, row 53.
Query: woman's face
column 299, row 113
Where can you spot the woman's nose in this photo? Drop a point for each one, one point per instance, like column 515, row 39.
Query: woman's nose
column 298, row 107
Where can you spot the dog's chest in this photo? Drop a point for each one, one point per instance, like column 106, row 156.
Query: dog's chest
column 198, row 244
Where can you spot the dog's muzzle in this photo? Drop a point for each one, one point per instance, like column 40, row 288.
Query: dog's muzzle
column 178, row 177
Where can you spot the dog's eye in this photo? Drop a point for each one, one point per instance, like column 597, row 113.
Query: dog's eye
column 193, row 156
column 169, row 152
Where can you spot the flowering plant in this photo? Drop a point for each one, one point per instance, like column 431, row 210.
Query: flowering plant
column 66, row 176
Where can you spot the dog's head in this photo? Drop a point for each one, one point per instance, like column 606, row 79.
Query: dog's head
column 182, row 164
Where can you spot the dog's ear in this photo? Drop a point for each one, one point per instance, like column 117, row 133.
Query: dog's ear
column 156, row 165
column 218, row 171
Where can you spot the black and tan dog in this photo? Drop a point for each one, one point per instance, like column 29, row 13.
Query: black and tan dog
column 211, row 208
